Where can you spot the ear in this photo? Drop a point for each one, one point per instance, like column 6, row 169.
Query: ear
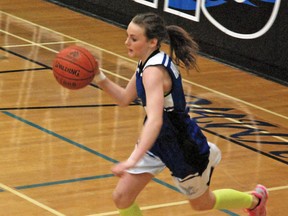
column 153, row 42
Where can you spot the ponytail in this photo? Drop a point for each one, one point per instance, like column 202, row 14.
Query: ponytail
column 183, row 49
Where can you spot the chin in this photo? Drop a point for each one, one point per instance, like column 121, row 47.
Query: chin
column 131, row 54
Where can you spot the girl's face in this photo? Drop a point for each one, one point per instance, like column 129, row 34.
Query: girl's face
column 138, row 45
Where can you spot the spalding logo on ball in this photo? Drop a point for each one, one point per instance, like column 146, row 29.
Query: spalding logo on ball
column 74, row 67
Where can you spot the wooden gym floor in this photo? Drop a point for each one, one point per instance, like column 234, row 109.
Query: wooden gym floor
column 57, row 146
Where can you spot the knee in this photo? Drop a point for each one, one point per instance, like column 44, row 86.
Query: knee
column 117, row 198
column 204, row 202
column 121, row 200
column 200, row 206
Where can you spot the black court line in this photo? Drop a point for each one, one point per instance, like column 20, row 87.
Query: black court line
column 61, row 107
column 58, row 107
column 81, row 146
column 44, row 66
column 25, row 58
column 136, row 104
column 244, row 145
column 21, row 70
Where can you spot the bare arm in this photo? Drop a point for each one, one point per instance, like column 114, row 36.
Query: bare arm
column 122, row 96
column 153, row 83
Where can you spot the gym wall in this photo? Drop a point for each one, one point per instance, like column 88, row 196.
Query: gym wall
column 252, row 35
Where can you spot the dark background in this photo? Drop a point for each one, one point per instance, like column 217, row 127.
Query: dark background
column 266, row 56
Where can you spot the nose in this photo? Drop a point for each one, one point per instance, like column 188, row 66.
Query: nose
column 126, row 41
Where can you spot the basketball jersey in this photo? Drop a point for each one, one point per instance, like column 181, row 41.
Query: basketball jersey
column 181, row 143
column 173, row 100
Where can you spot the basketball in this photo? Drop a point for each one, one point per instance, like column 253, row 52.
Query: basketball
column 74, row 67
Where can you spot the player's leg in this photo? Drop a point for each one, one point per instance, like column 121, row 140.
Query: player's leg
column 223, row 199
column 133, row 182
column 205, row 199
column 254, row 203
column 196, row 186
column 128, row 188
column 201, row 198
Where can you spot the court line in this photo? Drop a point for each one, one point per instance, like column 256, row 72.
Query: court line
column 64, row 35
column 83, row 147
column 28, row 41
column 236, row 99
column 27, row 45
column 23, row 196
column 89, row 150
column 252, row 105
column 25, row 58
column 261, row 131
column 67, row 181
column 106, row 71
column 114, row 161
column 60, row 137
column 184, row 202
column 246, row 125
column 111, row 160
column 130, row 60
column 151, row 207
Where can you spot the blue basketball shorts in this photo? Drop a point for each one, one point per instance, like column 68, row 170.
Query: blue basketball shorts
column 194, row 184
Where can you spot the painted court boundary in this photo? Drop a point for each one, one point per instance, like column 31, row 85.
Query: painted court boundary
column 84, row 148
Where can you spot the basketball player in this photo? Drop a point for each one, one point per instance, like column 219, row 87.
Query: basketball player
column 169, row 137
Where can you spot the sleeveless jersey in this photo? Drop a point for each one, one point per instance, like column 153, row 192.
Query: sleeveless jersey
column 181, row 144
column 175, row 99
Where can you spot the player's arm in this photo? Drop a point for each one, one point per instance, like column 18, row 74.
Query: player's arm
column 122, row 96
column 153, row 83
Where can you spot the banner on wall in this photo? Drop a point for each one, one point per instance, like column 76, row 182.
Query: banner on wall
column 244, row 19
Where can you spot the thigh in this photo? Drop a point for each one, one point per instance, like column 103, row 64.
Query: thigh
column 195, row 184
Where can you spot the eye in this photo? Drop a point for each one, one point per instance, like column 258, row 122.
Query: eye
column 132, row 38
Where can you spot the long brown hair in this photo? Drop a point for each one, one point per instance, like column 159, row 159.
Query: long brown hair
column 183, row 49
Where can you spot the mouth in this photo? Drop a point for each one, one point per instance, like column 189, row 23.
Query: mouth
column 130, row 51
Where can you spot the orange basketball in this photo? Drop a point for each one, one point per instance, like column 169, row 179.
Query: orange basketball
column 74, row 67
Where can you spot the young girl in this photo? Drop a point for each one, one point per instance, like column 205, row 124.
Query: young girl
column 169, row 137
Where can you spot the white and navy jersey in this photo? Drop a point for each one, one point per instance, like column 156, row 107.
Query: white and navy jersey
column 181, row 144
column 173, row 100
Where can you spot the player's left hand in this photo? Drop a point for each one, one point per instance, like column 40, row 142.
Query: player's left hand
column 120, row 168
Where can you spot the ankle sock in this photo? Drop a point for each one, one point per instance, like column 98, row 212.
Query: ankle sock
column 133, row 210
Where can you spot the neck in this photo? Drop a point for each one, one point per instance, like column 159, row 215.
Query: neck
column 146, row 57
